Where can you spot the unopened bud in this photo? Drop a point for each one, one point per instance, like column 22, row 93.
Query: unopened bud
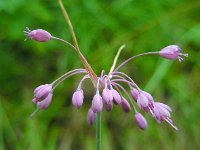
column 91, row 117
column 134, row 93
column 44, row 104
column 39, row 35
column 172, row 52
column 107, row 95
column 142, row 100
column 108, row 106
column 125, row 105
column 97, row 103
column 141, row 121
column 116, row 96
column 77, row 98
column 42, row 91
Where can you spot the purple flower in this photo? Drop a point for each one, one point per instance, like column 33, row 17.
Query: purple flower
column 97, row 103
column 44, row 104
column 134, row 93
column 39, row 35
column 107, row 95
column 172, row 52
column 77, row 98
column 142, row 101
column 108, row 106
column 161, row 112
column 91, row 117
column 116, row 96
column 150, row 101
column 41, row 92
column 141, row 121
column 125, row 105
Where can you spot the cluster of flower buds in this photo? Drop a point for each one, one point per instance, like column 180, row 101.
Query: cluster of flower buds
column 111, row 91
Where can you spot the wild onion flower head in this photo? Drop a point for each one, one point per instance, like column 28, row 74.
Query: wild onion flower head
column 172, row 52
column 39, row 35
column 113, row 88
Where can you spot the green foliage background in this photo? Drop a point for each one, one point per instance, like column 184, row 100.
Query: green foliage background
column 101, row 27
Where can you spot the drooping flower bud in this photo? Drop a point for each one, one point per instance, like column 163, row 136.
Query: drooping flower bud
column 143, row 101
column 107, row 95
column 91, row 117
column 108, row 106
column 134, row 93
column 116, row 96
column 161, row 111
column 44, row 104
column 39, row 35
column 150, row 100
column 172, row 52
column 97, row 103
column 41, row 92
column 141, row 121
column 77, row 98
column 125, row 105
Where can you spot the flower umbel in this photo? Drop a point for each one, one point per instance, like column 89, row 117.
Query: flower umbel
column 108, row 87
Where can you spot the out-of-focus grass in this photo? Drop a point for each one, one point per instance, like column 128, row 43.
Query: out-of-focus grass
column 101, row 27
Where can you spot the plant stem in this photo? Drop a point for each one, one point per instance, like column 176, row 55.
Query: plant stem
column 98, row 131
column 91, row 73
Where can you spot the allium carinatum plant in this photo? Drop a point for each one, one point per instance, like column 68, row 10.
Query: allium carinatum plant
column 109, row 89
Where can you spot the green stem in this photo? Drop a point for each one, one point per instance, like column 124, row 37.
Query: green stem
column 98, row 131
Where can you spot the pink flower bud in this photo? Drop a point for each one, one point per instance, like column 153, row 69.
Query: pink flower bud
column 39, row 35
column 42, row 91
column 44, row 104
column 107, row 95
column 108, row 106
column 97, row 103
column 134, row 94
column 142, row 100
column 125, row 105
column 172, row 52
column 116, row 97
column 141, row 121
column 91, row 117
column 150, row 101
column 77, row 98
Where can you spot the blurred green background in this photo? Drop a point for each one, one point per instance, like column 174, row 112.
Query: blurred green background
column 101, row 28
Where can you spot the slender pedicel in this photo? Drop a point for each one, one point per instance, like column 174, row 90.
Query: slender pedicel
column 66, row 74
column 62, row 40
column 125, row 81
column 64, row 78
column 131, row 58
column 129, row 78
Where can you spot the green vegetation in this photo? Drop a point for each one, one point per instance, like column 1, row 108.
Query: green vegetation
column 101, row 28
